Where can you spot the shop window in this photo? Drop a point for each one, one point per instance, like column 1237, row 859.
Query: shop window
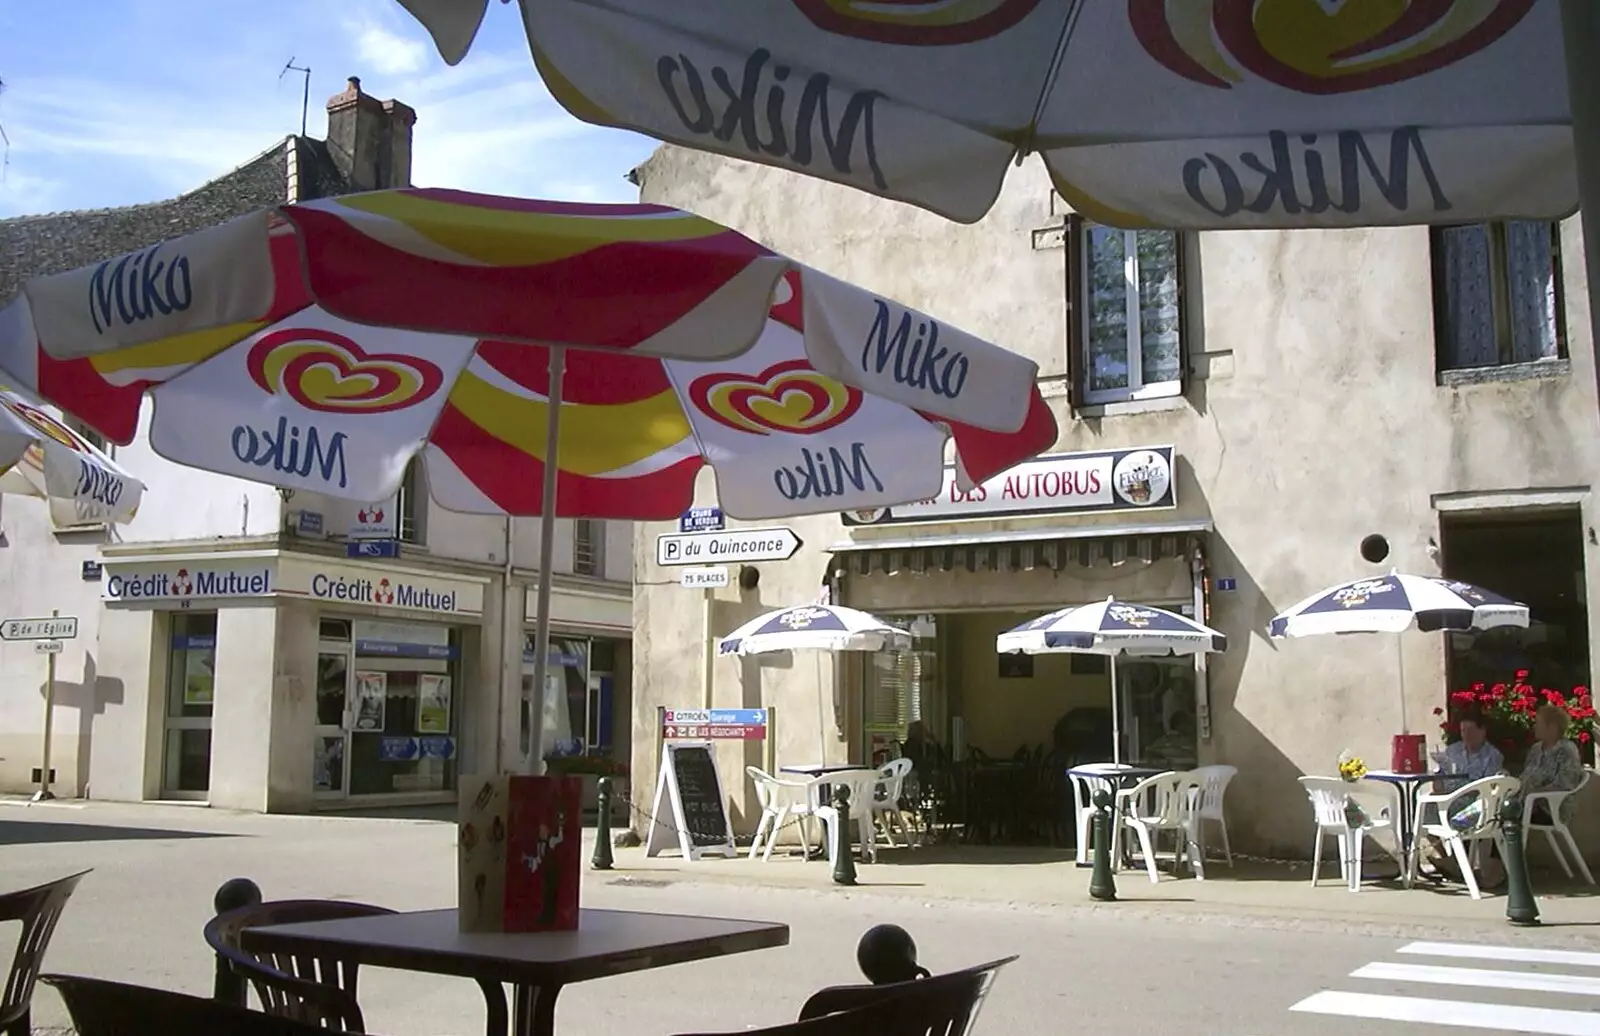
column 411, row 505
column 402, row 707
column 566, row 702
column 1158, row 701
column 900, row 691
column 1497, row 296
column 191, row 692
column 588, row 547
column 333, row 629
column 1126, row 290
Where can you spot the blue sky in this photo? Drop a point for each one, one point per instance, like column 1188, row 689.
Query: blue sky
column 115, row 103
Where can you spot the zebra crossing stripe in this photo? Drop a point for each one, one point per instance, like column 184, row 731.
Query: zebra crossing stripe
column 1481, row 978
column 1517, row 954
column 1542, row 1021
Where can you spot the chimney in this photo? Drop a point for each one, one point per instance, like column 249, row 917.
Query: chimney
column 370, row 140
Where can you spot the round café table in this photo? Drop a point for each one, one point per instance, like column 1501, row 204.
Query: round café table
column 1113, row 777
column 1407, row 787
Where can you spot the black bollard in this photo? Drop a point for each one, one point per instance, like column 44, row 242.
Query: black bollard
column 1102, row 884
column 228, row 985
column 1521, row 909
column 844, row 861
column 886, row 954
column 602, row 826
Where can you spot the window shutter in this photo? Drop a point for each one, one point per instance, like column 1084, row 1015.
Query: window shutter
column 1185, row 318
column 1075, row 310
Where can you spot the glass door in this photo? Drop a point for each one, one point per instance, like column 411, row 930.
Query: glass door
column 191, row 689
column 331, row 747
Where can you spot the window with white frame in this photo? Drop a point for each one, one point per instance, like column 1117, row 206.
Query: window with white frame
column 411, row 505
column 588, row 547
column 1129, row 302
column 1497, row 295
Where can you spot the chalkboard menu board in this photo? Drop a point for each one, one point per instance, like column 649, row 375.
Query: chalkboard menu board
column 701, row 793
column 690, row 811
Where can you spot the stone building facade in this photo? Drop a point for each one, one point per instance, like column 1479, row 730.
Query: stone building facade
column 1324, row 405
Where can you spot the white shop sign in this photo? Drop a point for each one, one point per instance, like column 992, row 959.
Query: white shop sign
column 380, row 586
column 182, row 582
column 1099, row 481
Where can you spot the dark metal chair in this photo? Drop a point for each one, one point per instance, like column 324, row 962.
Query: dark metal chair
column 312, row 990
column 943, row 1005
column 102, row 1008
column 38, row 909
column 306, row 989
column 906, row 1015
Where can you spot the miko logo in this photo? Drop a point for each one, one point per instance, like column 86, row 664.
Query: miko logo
column 384, row 594
column 372, row 517
column 182, row 586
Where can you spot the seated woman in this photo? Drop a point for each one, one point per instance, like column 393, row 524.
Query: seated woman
column 1553, row 763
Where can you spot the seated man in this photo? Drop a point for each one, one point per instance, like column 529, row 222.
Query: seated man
column 1470, row 759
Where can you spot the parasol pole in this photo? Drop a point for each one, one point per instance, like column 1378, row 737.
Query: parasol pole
column 1116, row 714
column 547, row 547
column 1400, row 656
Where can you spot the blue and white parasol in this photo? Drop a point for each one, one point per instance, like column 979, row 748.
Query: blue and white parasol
column 1112, row 627
column 1395, row 603
column 824, row 627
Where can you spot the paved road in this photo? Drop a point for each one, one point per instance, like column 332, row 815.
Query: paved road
column 138, row 918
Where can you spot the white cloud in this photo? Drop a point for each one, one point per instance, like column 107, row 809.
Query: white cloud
column 388, row 53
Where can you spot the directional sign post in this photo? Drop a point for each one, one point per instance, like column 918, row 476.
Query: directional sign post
column 47, row 635
column 699, row 549
column 732, row 545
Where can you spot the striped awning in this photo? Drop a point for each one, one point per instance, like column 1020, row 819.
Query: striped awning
column 1021, row 551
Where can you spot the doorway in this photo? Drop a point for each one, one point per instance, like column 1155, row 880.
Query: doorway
column 1535, row 557
column 191, row 693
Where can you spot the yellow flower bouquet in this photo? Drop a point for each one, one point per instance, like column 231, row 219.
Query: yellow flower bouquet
column 1351, row 768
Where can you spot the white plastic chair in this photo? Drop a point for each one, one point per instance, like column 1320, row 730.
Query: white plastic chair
column 1168, row 795
column 1213, row 787
column 780, row 800
column 1329, row 796
column 1491, row 792
column 1083, row 789
column 1557, row 826
column 886, row 799
column 861, row 783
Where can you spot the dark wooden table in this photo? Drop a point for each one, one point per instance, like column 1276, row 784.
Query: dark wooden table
column 535, row 964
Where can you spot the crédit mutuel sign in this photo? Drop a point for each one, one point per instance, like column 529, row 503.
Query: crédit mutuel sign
column 1093, row 482
column 185, row 583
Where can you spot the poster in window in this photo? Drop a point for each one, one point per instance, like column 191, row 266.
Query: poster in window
column 199, row 676
column 433, row 704
column 372, row 700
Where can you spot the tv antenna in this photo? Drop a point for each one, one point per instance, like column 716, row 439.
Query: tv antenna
column 305, row 93
column 5, row 161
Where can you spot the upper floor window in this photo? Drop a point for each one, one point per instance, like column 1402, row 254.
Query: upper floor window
column 411, row 505
column 588, row 547
column 1127, row 297
column 89, row 435
column 1497, row 295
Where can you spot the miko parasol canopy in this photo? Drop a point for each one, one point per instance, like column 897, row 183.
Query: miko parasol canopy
column 1182, row 114
column 825, row 627
column 42, row 457
column 323, row 346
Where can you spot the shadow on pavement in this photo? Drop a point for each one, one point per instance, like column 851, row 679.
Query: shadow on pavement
column 45, row 832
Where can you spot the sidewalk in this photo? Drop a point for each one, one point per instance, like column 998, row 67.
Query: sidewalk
column 1050, row 878
column 417, row 850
